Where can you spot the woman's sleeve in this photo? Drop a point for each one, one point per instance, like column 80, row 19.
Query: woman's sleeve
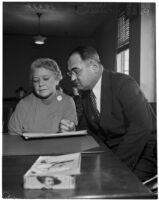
column 15, row 125
column 70, row 111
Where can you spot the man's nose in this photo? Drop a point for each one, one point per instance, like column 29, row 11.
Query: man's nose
column 73, row 77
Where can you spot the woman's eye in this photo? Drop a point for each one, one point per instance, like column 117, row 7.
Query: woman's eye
column 46, row 79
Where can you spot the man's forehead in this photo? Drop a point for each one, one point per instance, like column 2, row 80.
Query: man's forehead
column 75, row 58
column 74, row 61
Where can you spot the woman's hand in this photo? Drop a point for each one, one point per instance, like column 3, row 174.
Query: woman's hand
column 66, row 126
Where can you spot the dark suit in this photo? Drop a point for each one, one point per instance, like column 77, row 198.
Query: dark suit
column 127, row 122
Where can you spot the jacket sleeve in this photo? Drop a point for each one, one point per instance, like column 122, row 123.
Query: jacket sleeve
column 139, row 119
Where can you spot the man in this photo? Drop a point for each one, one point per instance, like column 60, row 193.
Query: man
column 123, row 119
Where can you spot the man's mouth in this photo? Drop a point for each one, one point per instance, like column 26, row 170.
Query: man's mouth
column 76, row 83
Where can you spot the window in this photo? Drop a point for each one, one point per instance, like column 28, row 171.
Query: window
column 123, row 61
column 123, row 44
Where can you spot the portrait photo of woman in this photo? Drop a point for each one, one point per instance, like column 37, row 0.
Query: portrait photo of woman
column 48, row 181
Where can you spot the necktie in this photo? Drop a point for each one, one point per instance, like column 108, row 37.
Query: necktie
column 94, row 105
column 95, row 110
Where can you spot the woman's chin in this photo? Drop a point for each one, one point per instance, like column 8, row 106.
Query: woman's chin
column 44, row 96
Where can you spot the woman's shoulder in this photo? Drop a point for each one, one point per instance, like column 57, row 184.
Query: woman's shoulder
column 29, row 99
column 25, row 102
column 65, row 97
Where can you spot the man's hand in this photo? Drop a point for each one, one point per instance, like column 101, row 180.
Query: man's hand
column 66, row 125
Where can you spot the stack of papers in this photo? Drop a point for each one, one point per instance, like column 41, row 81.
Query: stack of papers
column 45, row 135
column 53, row 172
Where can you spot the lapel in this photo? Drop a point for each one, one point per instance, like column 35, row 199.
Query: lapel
column 86, row 104
column 106, row 98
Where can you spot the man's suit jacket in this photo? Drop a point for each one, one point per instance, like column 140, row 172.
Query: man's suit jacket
column 126, row 120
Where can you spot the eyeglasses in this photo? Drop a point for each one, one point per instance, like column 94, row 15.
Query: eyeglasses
column 76, row 72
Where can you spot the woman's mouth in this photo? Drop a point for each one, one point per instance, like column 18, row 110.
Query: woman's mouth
column 43, row 90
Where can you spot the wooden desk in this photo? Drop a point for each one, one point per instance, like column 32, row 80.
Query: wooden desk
column 16, row 145
column 102, row 176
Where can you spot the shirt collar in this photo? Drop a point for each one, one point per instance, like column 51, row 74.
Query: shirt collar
column 97, row 87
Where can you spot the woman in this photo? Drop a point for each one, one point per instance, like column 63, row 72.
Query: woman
column 44, row 109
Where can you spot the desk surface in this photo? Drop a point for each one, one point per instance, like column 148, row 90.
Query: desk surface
column 16, row 145
column 102, row 176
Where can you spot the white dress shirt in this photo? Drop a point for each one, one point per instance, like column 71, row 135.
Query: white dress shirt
column 97, row 93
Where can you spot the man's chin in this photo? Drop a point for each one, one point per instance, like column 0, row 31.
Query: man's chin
column 79, row 86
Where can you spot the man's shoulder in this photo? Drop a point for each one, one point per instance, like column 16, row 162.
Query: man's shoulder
column 118, row 78
column 117, row 81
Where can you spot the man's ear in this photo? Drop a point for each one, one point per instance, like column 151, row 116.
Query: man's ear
column 94, row 65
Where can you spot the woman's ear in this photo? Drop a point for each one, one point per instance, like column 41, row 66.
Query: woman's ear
column 57, row 85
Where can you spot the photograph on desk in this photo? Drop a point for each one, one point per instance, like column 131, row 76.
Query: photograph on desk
column 56, row 172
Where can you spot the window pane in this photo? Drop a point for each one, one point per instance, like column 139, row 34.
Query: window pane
column 123, row 44
column 123, row 61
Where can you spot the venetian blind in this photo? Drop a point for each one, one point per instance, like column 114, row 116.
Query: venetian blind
column 123, row 30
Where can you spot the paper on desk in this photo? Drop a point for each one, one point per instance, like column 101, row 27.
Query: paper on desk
column 45, row 135
column 16, row 145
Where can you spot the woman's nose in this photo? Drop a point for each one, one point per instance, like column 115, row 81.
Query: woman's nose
column 41, row 82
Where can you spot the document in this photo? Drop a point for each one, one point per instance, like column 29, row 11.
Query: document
column 45, row 135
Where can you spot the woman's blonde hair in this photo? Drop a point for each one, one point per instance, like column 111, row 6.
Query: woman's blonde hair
column 49, row 64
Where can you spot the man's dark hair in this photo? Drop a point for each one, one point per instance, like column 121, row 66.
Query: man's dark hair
column 86, row 52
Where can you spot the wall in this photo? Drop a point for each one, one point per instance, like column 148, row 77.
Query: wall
column 106, row 39
column 19, row 52
column 134, row 46
column 148, row 51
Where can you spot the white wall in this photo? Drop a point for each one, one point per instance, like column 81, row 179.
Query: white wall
column 148, row 52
